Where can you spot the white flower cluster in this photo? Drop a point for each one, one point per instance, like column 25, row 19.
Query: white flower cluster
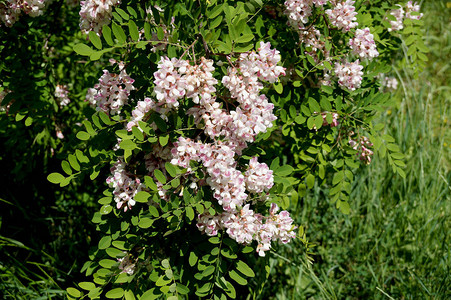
column 61, row 95
column 343, row 15
column 112, row 91
column 390, row 83
column 125, row 187
column 362, row 146
column 413, row 8
column 170, row 86
column 349, row 74
column 227, row 182
column 399, row 15
column 401, row 12
column 363, row 44
column 10, row 10
column 258, row 177
column 236, row 128
column 96, row 13
column 245, row 226
column 141, row 109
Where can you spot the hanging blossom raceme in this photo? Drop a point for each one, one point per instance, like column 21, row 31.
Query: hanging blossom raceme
column 389, row 83
column 112, row 91
column 349, row 74
column 246, row 226
column 399, row 15
column 258, row 177
column 413, row 8
column 363, row 44
column 61, row 95
column 343, row 15
column 125, row 187
column 362, row 145
column 10, row 10
column 96, row 13
column 252, row 116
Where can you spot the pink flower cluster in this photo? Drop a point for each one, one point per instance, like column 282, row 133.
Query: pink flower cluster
column 362, row 146
column 343, row 15
column 399, row 15
column 298, row 11
column 413, row 7
column 349, row 74
column 96, row 13
column 390, row 83
column 125, row 187
column 258, row 177
column 61, row 95
column 141, row 109
column 363, row 44
column 112, row 91
column 227, row 182
column 401, row 12
column 170, row 86
column 245, row 226
column 10, row 10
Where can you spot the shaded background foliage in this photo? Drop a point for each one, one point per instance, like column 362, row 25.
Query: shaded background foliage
column 395, row 242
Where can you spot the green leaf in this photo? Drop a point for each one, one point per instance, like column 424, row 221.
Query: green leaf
column 192, row 259
column 123, row 14
column 106, row 33
column 245, row 38
column 87, row 285
column 211, row 14
column 328, row 89
column 105, row 242
column 142, row 197
column 129, row 294
column 95, row 40
column 127, row 145
column 159, row 176
column 208, row 271
column 66, row 167
column 119, row 33
column 107, row 263
column 83, row 135
column 245, row 269
column 154, row 211
column 133, row 29
column 181, row 289
column 106, row 209
column 284, row 170
column 28, row 121
column 171, row 169
column 148, row 181
column 55, row 178
column 83, row 49
column 163, row 139
column 228, row 253
column 74, row 292
column 237, row 277
column 189, row 213
column 216, row 22
column 310, row 181
column 278, row 87
column 145, row 223
column 115, row 293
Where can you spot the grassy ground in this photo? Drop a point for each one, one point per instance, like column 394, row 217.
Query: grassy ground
column 396, row 242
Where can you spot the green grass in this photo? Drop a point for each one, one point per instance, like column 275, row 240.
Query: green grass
column 395, row 244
